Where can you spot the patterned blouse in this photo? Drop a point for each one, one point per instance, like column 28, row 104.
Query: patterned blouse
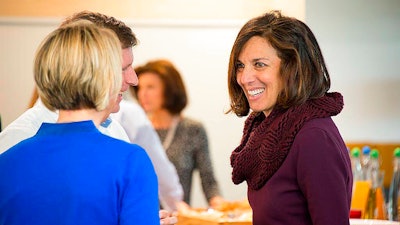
column 189, row 151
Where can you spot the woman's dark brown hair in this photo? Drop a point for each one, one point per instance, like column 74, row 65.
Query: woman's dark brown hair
column 303, row 70
column 175, row 97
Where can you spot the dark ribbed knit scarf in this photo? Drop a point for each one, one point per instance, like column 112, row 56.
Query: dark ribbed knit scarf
column 266, row 141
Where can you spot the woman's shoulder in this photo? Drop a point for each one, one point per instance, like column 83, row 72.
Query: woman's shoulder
column 122, row 143
column 123, row 146
column 191, row 123
column 322, row 124
column 318, row 134
column 192, row 127
column 135, row 153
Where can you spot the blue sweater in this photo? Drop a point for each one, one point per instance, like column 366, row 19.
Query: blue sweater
column 72, row 174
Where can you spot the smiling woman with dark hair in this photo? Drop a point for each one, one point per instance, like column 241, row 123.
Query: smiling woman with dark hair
column 291, row 155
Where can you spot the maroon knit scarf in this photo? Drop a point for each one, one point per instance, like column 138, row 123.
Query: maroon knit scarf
column 266, row 141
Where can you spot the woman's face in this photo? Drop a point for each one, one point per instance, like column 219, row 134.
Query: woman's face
column 150, row 92
column 258, row 74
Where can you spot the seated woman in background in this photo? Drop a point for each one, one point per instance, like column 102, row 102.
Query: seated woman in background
column 162, row 94
column 69, row 172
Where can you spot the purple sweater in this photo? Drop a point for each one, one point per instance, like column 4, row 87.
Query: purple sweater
column 313, row 186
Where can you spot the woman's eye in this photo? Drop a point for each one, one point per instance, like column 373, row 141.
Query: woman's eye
column 259, row 64
column 239, row 66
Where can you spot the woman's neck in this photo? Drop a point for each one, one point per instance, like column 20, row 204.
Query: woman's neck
column 67, row 116
column 161, row 119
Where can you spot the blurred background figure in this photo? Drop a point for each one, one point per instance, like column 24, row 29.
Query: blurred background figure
column 162, row 94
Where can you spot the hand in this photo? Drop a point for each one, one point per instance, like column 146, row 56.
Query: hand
column 167, row 218
column 182, row 207
column 216, row 202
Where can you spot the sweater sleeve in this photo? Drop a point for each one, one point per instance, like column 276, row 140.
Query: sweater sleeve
column 204, row 164
column 323, row 176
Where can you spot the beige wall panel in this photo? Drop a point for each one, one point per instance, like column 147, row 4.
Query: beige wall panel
column 152, row 9
column 60, row 8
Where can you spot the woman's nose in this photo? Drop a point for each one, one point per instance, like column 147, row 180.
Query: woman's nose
column 246, row 76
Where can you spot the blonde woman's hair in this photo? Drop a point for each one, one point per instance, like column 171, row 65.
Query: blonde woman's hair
column 78, row 66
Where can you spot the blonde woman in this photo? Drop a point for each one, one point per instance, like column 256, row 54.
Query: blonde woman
column 69, row 172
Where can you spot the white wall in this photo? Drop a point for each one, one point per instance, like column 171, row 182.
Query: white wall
column 19, row 39
column 360, row 40
column 361, row 43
